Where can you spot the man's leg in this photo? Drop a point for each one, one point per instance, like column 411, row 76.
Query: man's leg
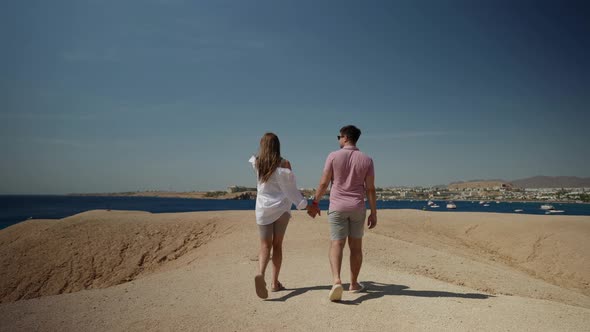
column 355, row 243
column 336, row 249
column 338, row 234
column 356, row 260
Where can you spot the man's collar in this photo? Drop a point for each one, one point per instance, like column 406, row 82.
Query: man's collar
column 350, row 147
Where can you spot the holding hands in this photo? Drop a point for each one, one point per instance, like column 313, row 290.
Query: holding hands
column 313, row 209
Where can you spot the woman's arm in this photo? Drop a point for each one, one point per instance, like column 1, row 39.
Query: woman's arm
column 288, row 185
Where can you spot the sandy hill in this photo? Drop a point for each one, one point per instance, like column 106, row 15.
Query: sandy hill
column 553, row 182
column 478, row 184
column 137, row 271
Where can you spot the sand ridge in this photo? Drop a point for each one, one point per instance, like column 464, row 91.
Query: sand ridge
column 95, row 249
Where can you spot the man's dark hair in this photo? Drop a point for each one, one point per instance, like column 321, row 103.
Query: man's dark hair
column 352, row 132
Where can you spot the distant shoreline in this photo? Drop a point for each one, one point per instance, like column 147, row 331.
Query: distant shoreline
column 252, row 195
column 172, row 194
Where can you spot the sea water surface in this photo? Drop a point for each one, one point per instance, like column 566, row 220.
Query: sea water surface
column 17, row 208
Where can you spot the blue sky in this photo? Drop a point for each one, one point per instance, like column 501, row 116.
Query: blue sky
column 102, row 96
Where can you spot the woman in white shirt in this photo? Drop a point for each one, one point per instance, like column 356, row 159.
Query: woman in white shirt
column 276, row 192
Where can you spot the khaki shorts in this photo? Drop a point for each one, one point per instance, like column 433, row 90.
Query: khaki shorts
column 347, row 223
column 277, row 228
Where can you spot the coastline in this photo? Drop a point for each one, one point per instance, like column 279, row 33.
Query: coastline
column 252, row 195
column 173, row 194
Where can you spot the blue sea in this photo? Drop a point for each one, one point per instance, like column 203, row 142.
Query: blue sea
column 14, row 209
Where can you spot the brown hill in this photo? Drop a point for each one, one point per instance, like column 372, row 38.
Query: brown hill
column 552, row 182
column 479, row 184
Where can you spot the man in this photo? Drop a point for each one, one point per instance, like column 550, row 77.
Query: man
column 352, row 175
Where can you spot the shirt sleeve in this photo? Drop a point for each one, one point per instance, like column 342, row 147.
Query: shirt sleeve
column 252, row 161
column 328, row 164
column 288, row 185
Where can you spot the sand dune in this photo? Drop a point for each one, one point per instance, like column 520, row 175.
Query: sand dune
column 96, row 249
column 548, row 248
column 123, row 270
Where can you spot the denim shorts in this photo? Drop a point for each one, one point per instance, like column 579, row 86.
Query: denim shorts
column 347, row 223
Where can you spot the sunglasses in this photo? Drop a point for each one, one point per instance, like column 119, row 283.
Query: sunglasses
column 339, row 137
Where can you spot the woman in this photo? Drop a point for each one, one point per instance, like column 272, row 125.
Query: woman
column 277, row 190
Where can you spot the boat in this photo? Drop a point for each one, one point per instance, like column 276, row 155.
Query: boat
column 434, row 206
column 430, row 203
column 481, row 202
column 497, row 202
column 451, row 205
column 547, row 207
column 518, row 210
column 554, row 211
column 486, row 204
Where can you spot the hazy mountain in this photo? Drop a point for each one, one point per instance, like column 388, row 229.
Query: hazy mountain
column 479, row 184
column 478, row 180
column 552, row 182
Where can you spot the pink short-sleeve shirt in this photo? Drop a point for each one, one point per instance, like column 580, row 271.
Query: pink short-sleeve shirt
column 349, row 168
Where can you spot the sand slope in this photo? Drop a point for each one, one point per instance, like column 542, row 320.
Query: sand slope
column 194, row 271
column 96, row 249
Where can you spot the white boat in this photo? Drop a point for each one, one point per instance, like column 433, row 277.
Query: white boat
column 486, row 204
column 451, row 205
column 434, row 206
column 497, row 202
column 430, row 203
column 555, row 211
column 518, row 210
column 547, row 207
column 481, row 202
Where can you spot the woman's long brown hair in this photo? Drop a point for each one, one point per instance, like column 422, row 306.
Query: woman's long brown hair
column 269, row 156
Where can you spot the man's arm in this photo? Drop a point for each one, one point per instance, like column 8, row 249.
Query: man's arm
column 323, row 186
column 372, row 198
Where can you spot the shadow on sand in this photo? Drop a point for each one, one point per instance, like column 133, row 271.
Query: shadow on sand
column 298, row 291
column 375, row 290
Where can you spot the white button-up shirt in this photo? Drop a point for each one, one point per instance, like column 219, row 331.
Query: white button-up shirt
column 276, row 195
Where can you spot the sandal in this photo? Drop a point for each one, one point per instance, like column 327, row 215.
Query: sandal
column 279, row 288
column 336, row 293
column 260, row 287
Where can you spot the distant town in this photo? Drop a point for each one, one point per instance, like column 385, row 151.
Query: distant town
column 492, row 193
column 468, row 191
column 540, row 188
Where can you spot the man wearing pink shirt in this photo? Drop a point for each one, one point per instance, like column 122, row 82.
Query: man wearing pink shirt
column 352, row 175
